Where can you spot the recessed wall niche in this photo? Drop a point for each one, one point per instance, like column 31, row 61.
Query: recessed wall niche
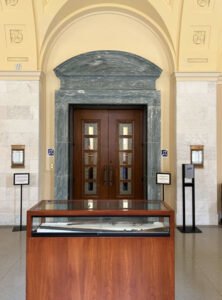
column 107, row 78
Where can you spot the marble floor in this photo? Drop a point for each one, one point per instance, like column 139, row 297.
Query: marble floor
column 198, row 265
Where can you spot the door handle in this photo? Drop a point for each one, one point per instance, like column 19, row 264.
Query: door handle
column 106, row 175
column 110, row 175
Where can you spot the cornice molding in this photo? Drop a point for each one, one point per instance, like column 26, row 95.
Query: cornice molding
column 219, row 79
column 197, row 76
column 20, row 75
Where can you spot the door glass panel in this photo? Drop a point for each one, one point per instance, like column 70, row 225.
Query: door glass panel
column 90, row 188
column 91, row 129
column 125, row 129
column 90, row 153
column 125, row 188
column 90, row 173
column 90, row 143
column 125, row 143
column 125, row 158
column 90, row 158
column 125, row 173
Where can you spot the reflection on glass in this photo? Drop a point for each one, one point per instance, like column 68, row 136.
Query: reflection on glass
column 90, row 173
column 125, row 188
column 90, row 129
column 90, row 204
column 125, row 143
column 125, row 158
column 125, row 203
column 104, row 204
column 90, row 158
column 91, row 143
column 125, row 129
column 90, row 188
column 125, row 173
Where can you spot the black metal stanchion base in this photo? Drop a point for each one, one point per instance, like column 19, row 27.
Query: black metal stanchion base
column 189, row 229
column 18, row 228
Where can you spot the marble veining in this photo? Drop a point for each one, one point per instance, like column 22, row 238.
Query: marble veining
column 196, row 124
column 106, row 78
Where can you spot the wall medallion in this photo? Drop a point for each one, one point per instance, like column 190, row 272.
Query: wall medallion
column 11, row 2
column 16, row 36
column 203, row 3
column 199, row 37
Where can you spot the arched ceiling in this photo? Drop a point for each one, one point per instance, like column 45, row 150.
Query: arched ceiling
column 190, row 28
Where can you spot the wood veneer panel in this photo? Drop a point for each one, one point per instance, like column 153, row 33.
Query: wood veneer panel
column 100, row 268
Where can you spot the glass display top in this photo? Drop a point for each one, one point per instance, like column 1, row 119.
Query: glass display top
column 97, row 205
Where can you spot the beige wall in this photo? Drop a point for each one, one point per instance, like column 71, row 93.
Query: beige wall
column 219, row 147
column 196, row 124
column 88, row 34
column 19, row 125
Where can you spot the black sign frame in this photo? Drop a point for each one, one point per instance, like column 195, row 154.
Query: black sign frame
column 24, row 182
column 163, row 174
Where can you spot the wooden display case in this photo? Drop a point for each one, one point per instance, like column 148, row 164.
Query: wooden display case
column 100, row 249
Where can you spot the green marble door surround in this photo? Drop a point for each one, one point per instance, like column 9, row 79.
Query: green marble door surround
column 107, row 78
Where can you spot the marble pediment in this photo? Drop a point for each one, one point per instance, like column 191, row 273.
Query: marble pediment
column 107, row 70
column 107, row 63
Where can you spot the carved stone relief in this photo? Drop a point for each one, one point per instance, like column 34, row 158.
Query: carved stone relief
column 199, row 37
column 16, row 36
column 11, row 2
column 203, row 3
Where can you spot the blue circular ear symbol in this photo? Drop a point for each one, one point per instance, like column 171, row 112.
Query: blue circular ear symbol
column 51, row 152
column 164, row 153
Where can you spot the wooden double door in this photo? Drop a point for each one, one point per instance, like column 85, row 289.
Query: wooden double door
column 108, row 154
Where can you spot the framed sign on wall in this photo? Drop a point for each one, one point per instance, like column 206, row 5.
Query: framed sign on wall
column 17, row 156
column 197, row 155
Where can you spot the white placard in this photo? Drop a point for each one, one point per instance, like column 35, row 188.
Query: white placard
column 163, row 178
column 189, row 171
column 21, row 178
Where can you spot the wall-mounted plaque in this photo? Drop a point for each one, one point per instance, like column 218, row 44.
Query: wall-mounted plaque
column 163, row 178
column 197, row 155
column 17, row 156
column 21, row 178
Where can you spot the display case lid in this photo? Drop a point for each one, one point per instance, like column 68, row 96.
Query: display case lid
column 93, row 205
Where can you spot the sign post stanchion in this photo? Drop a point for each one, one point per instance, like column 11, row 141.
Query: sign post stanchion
column 188, row 180
column 163, row 178
column 20, row 179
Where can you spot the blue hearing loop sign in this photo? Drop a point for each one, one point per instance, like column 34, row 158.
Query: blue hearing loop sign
column 164, row 153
